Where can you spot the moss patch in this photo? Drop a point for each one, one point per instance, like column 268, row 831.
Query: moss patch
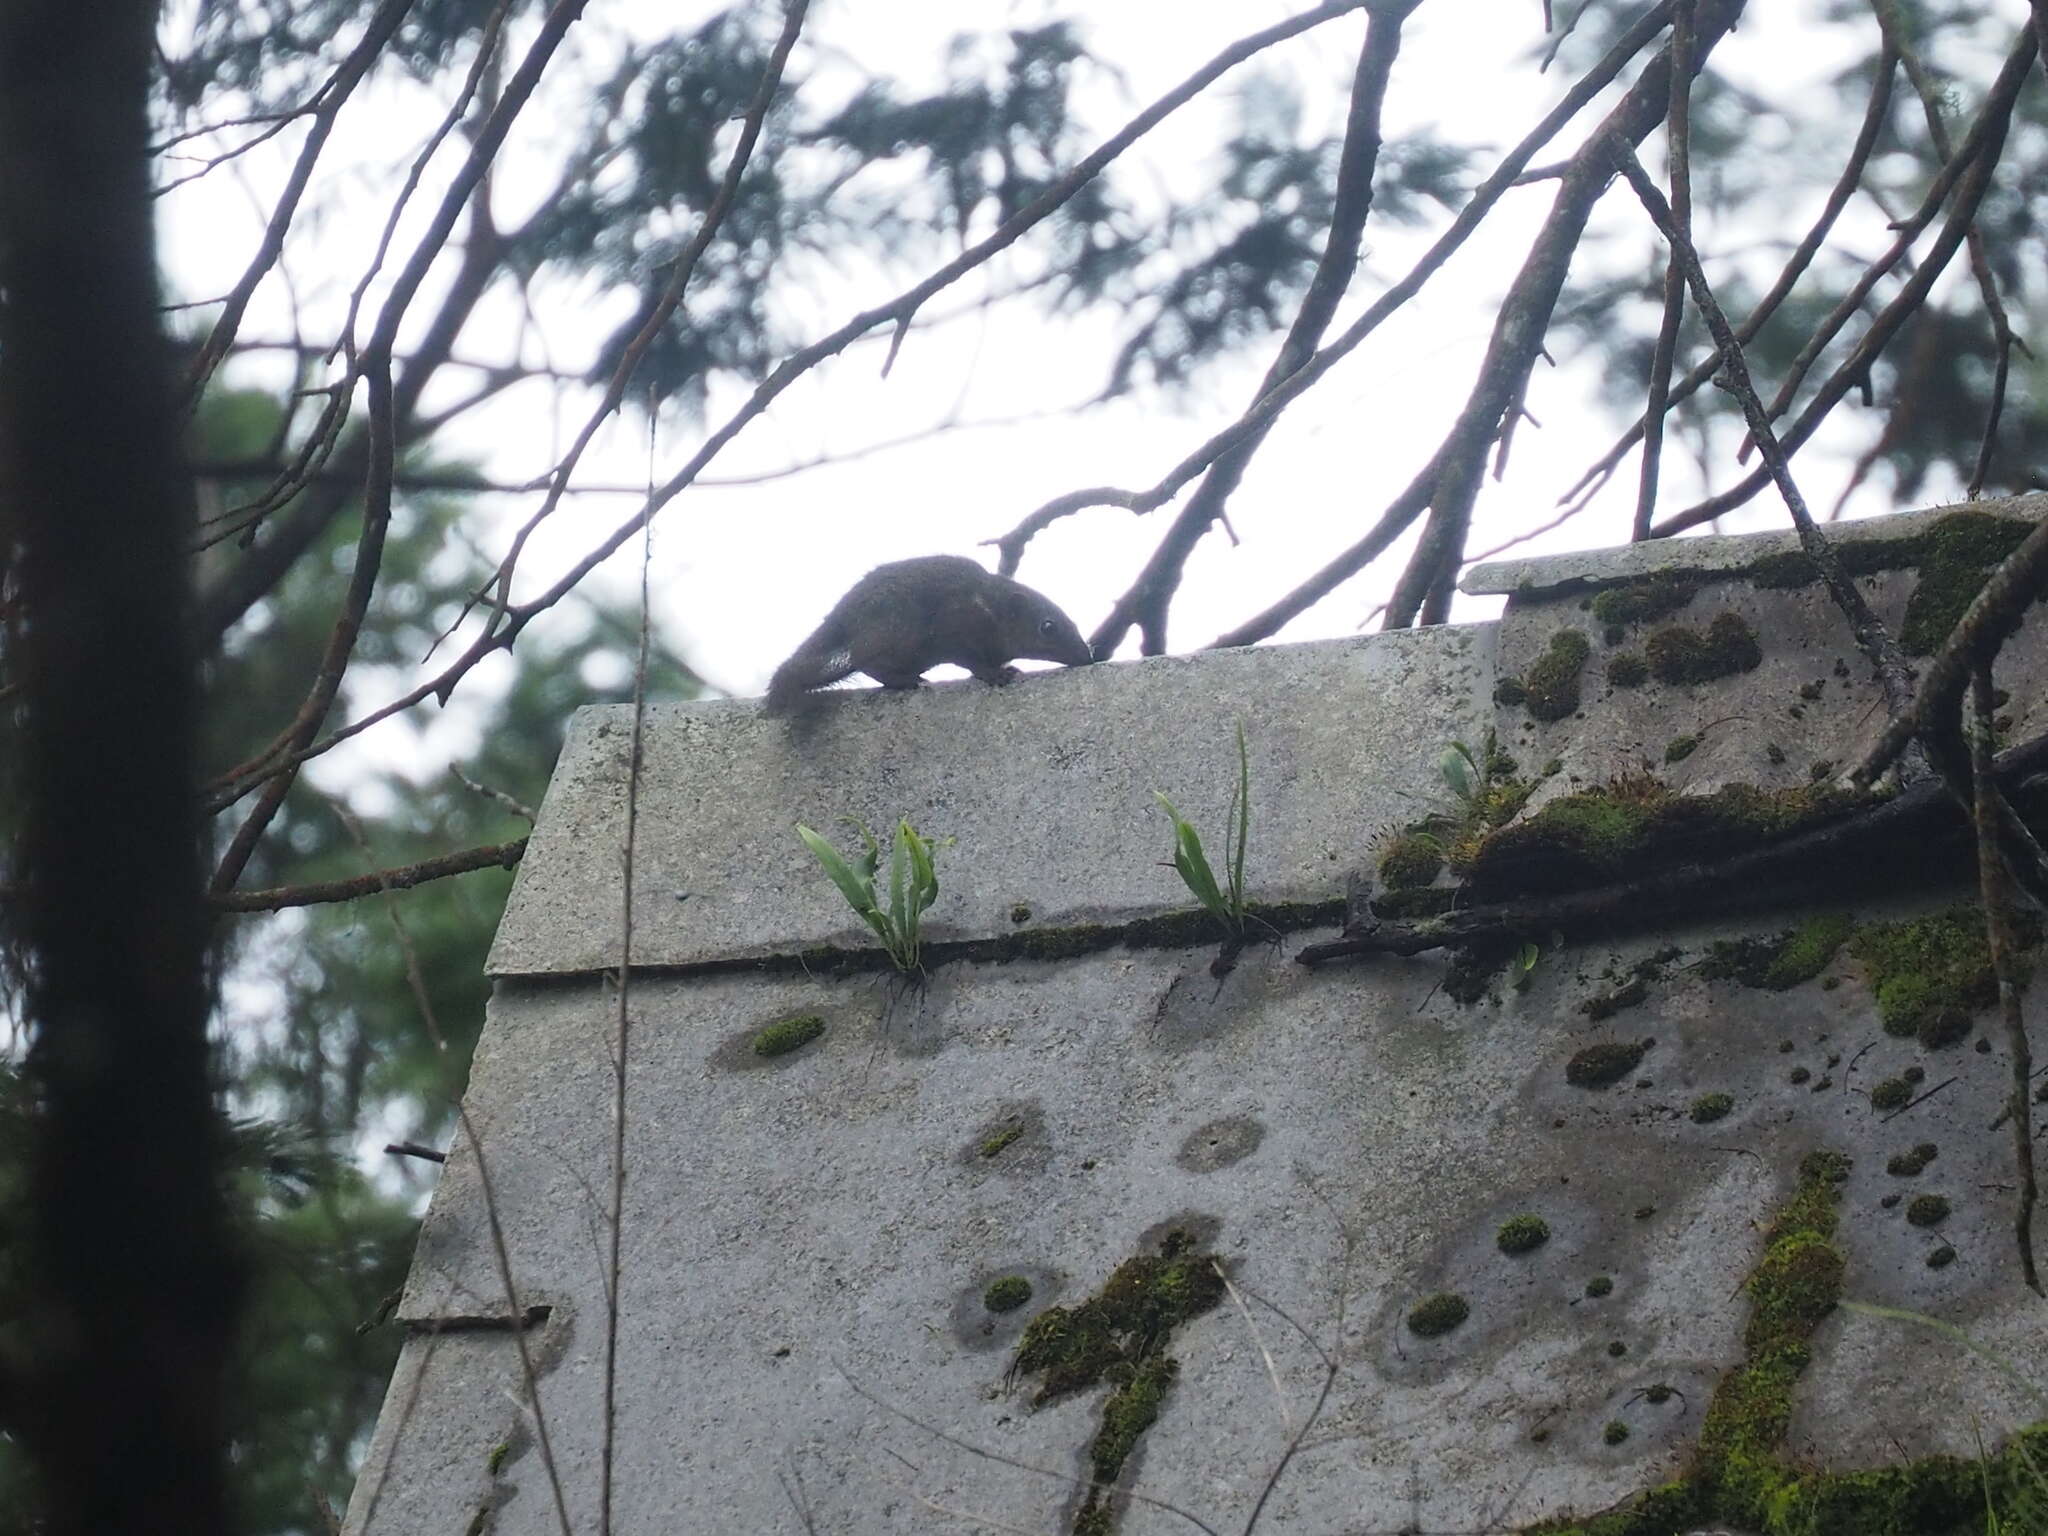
column 1007, row 1294
column 1437, row 1314
column 1609, row 1062
column 1120, row 1336
column 1625, row 669
column 790, row 1034
column 1604, row 1005
column 1410, row 860
column 1907, row 1165
column 1932, row 975
column 1600, row 1285
column 1960, row 552
column 1709, row 1107
column 1522, row 1234
column 1725, row 647
column 1679, row 748
column 1636, row 825
column 1642, row 602
column 1927, row 1210
column 1551, row 685
column 1892, row 1093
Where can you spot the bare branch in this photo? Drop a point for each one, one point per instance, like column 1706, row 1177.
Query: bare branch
column 1305, row 377
column 1975, row 162
column 1146, row 602
column 1679, row 130
column 405, row 877
column 1876, row 113
column 1995, row 888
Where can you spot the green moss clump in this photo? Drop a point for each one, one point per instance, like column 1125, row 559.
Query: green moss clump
column 996, row 1140
column 1473, row 969
column 1640, row 602
column 1437, row 1314
column 1007, row 1294
column 1942, row 1257
column 1927, row 1210
column 1598, row 1066
column 1020, row 913
column 1510, row 692
column 1931, row 975
column 790, row 1034
column 1552, row 681
column 1783, row 962
column 1132, row 1409
column 1072, row 1348
column 1615, row 1432
column 1679, row 655
column 1635, row 825
column 1410, row 860
column 1892, row 1093
column 1961, row 551
column 1907, row 1165
column 1600, row 1285
column 1709, row 1107
column 1625, row 669
column 496, row 1460
column 1679, row 748
column 1604, row 1005
column 1522, row 1234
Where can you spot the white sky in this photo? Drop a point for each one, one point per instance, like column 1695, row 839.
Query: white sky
column 741, row 574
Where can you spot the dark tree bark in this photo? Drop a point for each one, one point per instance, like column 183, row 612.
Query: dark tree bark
column 133, row 1290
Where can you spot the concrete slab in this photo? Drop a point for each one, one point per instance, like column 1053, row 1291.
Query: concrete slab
column 1713, row 553
column 1044, row 786
column 806, row 1337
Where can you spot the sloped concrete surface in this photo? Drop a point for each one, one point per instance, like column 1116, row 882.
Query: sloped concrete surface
column 807, row 1241
column 1045, row 786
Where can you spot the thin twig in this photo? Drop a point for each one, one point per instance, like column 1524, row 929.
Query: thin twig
column 1997, row 898
column 1975, row 163
column 278, row 897
column 1875, row 115
column 1872, row 637
column 1270, row 405
column 1150, row 593
column 1679, row 131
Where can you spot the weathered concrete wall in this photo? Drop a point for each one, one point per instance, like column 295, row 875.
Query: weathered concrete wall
column 808, row 1238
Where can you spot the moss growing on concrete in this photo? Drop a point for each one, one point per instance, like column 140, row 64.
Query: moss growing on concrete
column 790, row 1034
column 1679, row 748
column 1643, row 602
column 1409, row 860
column 1625, row 669
column 1600, row 1285
column 996, row 1140
column 1742, row 1476
column 1725, row 647
column 1550, row 687
column 1120, row 1335
column 1615, row 1432
column 1007, row 1294
column 1927, row 1210
column 1598, row 1066
column 1960, row 553
column 1437, row 1314
column 1709, row 1107
column 1908, row 1165
column 1892, row 1093
column 1931, row 975
column 1522, row 1234
column 1780, row 963
column 1604, row 1005
column 1636, row 824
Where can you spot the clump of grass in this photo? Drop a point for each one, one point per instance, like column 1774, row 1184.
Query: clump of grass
column 913, row 886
